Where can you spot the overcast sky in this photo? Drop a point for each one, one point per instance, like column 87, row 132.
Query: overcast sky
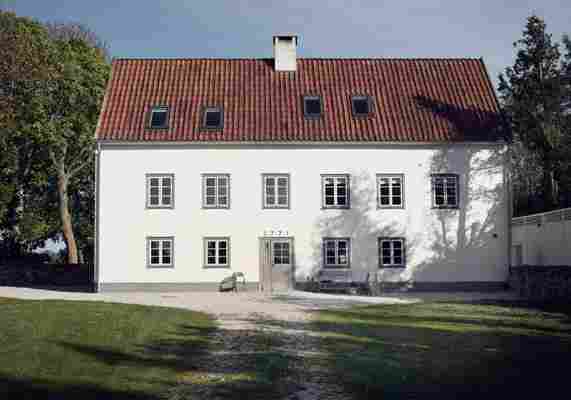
column 328, row 28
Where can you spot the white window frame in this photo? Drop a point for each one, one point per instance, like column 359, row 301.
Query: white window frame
column 337, row 264
column 161, row 241
column 217, row 241
column 448, row 179
column 217, row 196
column 280, row 256
column 392, row 241
column 161, row 203
column 335, row 177
column 391, row 178
column 275, row 177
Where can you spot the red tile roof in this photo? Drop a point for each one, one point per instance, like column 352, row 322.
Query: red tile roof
column 414, row 100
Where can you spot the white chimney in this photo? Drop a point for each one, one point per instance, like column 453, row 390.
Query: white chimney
column 285, row 46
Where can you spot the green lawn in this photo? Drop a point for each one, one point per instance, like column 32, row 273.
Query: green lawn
column 448, row 350
column 88, row 350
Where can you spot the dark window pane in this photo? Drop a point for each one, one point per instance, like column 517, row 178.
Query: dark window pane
column 341, row 201
column 210, row 200
column 155, row 260
column 386, row 252
column 223, row 200
column 211, row 260
column 282, row 200
column 211, row 244
column 222, row 260
column 166, row 259
column 397, row 244
column 398, row 260
column 386, row 245
column 386, row 260
column 282, row 182
column 329, row 200
column 213, row 118
column 385, row 200
column 211, row 253
column 210, row 181
column 312, row 106
column 396, row 201
column 222, row 244
column 158, row 118
column 330, row 260
column 270, row 200
column 361, row 105
column 154, row 200
column 155, row 252
column 154, row 182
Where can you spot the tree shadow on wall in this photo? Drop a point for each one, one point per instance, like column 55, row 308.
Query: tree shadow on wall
column 474, row 233
column 363, row 223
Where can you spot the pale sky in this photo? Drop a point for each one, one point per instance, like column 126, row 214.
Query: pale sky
column 243, row 28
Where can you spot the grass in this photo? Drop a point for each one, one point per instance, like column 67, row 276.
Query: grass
column 89, row 350
column 449, row 350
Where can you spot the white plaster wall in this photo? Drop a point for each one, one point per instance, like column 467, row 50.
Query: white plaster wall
column 546, row 244
column 469, row 244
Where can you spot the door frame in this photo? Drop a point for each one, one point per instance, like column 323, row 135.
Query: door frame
column 261, row 272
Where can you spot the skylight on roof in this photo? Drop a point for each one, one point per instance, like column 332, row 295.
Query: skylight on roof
column 159, row 117
column 361, row 106
column 212, row 118
column 312, row 106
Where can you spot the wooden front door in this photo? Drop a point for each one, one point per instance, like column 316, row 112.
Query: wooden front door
column 276, row 264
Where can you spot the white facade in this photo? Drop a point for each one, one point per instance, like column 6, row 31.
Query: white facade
column 469, row 244
column 542, row 239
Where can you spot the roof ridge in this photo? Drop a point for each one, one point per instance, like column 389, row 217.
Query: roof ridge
column 299, row 58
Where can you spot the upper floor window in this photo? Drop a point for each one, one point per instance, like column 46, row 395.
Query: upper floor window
column 312, row 107
column 216, row 191
column 159, row 118
column 276, row 190
column 445, row 191
column 160, row 251
column 217, row 252
column 390, row 191
column 212, row 118
column 160, row 191
column 336, row 252
column 335, row 191
column 391, row 252
column 361, row 106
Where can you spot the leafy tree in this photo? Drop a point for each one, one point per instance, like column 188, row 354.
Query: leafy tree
column 532, row 93
column 54, row 80
column 26, row 59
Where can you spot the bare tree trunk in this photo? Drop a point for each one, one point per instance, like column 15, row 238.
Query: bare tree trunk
column 65, row 216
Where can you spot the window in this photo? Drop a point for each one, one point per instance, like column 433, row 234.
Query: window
column 217, row 252
column 216, row 191
column 275, row 190
column 445, row 191
column 159, row 117
column 391, row 252
column 160, row 252
column 335, row 191
column 280, row 253
column 390, row 191
column 212, row 118
column 312, row 107
column 336, row 252
column 160, row 191
column 361, row 106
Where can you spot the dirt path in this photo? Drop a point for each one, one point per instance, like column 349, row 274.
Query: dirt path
column 257, row 356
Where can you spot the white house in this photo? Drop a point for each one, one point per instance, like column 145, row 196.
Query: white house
column 280, row 168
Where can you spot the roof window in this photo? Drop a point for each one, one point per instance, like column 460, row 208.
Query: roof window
column 361, row 106
column 212, row 118
column 312, row 107
column 159, row 118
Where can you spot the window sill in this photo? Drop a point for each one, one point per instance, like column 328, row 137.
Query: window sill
column 160, row 266
column 159, row 207
column 445, row 207
column 340, row 267
column 215, row 267
column 392, row 266
column 390, row 207
column 335, row 207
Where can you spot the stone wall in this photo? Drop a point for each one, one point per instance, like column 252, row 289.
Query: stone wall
column 541, row 282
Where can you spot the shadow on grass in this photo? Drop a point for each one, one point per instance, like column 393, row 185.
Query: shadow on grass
column 447, row 349
column 208, row 363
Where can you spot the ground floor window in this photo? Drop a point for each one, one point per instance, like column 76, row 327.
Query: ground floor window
column 391, row 252
column 336, row 252
column 281, row 253
column 160, row 252
column 217, row 252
